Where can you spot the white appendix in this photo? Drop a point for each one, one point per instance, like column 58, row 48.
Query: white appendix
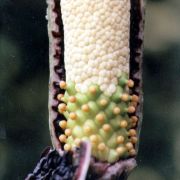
column 96, row 38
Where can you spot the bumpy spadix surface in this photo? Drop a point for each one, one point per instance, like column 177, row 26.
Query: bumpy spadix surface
column 104, row 121
column 96, row 37
column 97, row 105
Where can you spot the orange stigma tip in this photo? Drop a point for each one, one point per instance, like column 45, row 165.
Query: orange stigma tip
column 134, row 119
column 92, row 89
column 130, row 83
column 131, row 109
column 62, row 138
column 134, row 140
column 85, row 108
column 135, row 98
column 62, row 84
column 103, row 102
column 132, row 132
column 87, row 129
column 106, row 127
column 72, row 116
column 67, row 132
column 72, row 99
column 125, row 97
column 67, row 147
column 100, row 118
column 121, row 150
column 120, row 139
column 116, row 110
column 62, row 107
column 129, row 146
column 132, row 152
column 93, row 138
column 101, row 147
column 123, row 124
column 59, row 96
column 63, row 124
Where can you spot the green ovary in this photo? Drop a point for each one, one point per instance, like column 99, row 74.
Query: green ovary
column 105, row 121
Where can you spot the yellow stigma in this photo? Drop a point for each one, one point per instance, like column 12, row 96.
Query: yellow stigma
column 132, row 152
column 103, row 102
column 72, row 116
column 62, row 84
column 135, row 98
column 134, row 140
column 62, row 138
column 72, row 99
column 132, row 132
column 100, row 118
column 101, row 147
column 94, row 138
column 121, row 150
column 67, row 147
column 59, row 97
column 123, row 124
column 67, row 132
column 134, row 119
column 129, row 146
column 125, row 97
column 92, row 89
column 63, row 124
column 106, row 127
column 116, row 110
column 62, row 107
column 87, row 129
column 120, row 139
column 85, row 108
column 131, row 109
column 130, row 83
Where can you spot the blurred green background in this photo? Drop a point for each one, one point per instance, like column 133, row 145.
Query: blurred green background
column 24, row 90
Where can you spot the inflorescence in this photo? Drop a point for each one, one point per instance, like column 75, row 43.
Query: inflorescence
column 108, row 122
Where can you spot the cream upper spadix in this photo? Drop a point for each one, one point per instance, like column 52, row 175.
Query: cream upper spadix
column 96, row 39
